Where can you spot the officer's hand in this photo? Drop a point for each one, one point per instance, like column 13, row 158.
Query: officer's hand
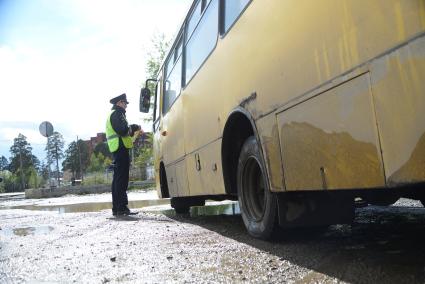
column 138, row 133
column 134, row 128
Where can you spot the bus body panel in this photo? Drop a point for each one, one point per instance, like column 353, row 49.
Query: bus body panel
column 399, row 90
column 205, row 173
column 177, row 179
column 271, row 149
column 331, row 141
column 284, row 49
column 181, row 179
column 202, row 120
column 172, row 131
column 171, row 180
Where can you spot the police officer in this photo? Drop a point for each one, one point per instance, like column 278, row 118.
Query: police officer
column 119, row 135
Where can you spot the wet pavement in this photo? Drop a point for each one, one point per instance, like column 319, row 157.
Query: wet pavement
column 41, row 242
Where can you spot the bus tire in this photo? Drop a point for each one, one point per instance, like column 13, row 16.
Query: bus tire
column 180, row 205
column 257, row 204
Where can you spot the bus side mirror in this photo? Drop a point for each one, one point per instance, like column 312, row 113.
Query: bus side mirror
column 145, row 100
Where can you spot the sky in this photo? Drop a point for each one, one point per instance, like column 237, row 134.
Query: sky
column 63, row 60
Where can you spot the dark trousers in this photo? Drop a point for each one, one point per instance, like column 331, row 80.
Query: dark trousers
column 120, row 179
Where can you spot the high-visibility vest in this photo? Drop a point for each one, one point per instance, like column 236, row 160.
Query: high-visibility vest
column 114, row 139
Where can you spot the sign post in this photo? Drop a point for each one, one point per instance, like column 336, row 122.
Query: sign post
column 46, row 129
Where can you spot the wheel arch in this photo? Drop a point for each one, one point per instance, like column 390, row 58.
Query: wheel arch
column 165, row 193
column 239, row 126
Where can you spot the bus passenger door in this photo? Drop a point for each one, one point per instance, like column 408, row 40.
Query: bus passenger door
column 172, row 133
column 172, row 128
column 163, row 150
column 157, row 138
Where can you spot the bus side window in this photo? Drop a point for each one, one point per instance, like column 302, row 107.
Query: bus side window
column 172, row 86
column 169, row 65
column 232, row 10
column 173, row 75
column 194, row 19
column 202, row 40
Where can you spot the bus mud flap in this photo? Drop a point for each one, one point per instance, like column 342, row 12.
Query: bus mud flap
column 314, row 209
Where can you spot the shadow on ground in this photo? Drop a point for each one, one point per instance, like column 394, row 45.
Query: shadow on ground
column 384, row 244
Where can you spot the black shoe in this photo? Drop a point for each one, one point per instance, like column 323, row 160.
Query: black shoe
column 125, row 212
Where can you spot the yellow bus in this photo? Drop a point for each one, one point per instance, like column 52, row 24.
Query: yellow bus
column 294, row 108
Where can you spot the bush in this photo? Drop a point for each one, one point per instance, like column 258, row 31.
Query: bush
column 99, row 177
column 35, row 180
column 10, row 182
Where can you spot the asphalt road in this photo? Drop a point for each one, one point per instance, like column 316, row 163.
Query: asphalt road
column 383, row 245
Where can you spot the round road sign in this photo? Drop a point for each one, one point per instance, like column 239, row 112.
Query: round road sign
column 46, row 129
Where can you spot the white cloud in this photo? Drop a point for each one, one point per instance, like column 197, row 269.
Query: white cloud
column 69, row 79
column 33, row 136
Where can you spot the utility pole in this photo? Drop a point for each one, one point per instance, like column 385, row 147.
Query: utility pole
column 46, row 129
column 48, row 163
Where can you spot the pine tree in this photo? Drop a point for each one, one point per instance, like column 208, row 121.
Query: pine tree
column 4, row 164
column 22, row 160
column 73, row 154
column 54, row 150
column 71, row 161
column 102, row 148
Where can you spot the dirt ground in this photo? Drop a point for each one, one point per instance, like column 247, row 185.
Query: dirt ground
column 41, row 242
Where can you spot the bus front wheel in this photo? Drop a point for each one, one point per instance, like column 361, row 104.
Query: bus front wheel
column 182, row 204
column 258, row 205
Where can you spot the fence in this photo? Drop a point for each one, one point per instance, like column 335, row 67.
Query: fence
column 142, row 173
column 136, row 174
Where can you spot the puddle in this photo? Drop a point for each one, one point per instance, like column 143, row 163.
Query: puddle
column 22, row 232
column 212, row 209
column 215, row 210
column 88, row 207
column 157, row 206
column 12, row 196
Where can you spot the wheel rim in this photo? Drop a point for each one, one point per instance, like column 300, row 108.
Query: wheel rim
column 254, row 189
